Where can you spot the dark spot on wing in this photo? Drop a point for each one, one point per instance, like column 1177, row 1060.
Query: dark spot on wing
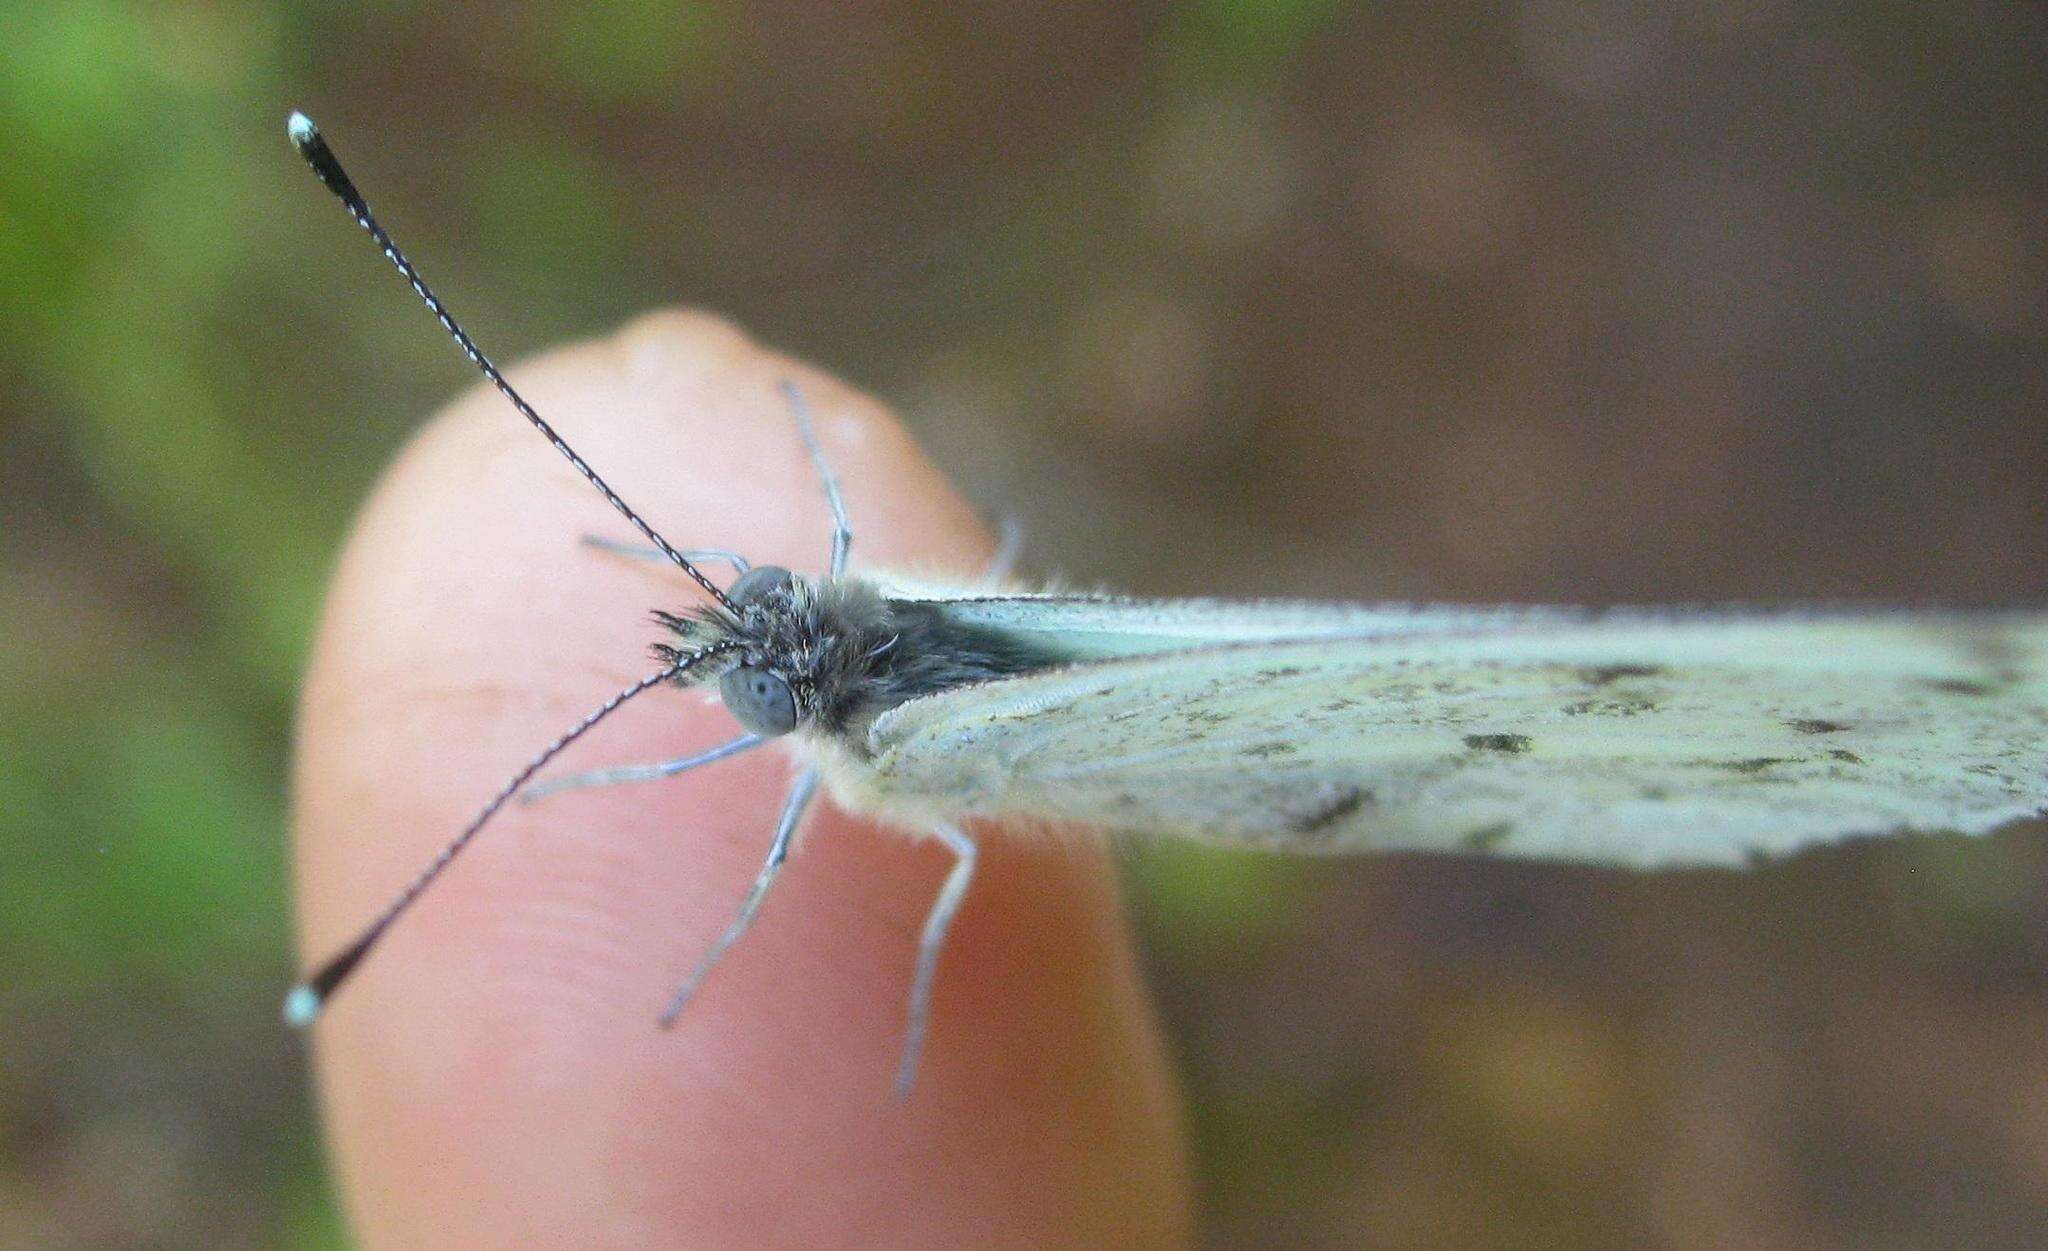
column 1625, row 706
column 1513, row 744
column 1274, row 675
column 1345, row 801
column 1846, row 757
column 1960, row 686
column 1266, row 751
column 1754, row 765
column 1060, row 709
column 1814, row 725
column 1487, row 838
column 1601, row 675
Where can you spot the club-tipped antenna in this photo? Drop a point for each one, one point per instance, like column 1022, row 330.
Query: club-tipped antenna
column 306, row 138
column 303, row 1002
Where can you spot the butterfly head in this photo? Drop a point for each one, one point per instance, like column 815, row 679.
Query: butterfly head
column 799, row 650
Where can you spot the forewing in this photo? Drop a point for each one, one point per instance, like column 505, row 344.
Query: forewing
column 1104, row 626
column 1635, row 740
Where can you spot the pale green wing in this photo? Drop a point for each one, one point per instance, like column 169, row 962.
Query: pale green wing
column 1637, row 739
column 1103, row 626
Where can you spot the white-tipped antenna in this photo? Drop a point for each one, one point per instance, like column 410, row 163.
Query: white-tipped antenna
column 303, row 1002
column 306, row 138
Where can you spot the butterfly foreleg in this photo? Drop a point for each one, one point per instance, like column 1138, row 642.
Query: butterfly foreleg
column 640, row 551
column 1009, row 546
column 842, row 531
column 800, row 794
column 639, row 773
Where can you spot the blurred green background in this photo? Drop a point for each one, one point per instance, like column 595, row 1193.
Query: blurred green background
column 1544, row 300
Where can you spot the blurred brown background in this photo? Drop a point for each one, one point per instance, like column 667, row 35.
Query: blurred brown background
column 1522, row 301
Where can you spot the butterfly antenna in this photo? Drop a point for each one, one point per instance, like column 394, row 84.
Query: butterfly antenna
column 307, row 139
column 304, row 1001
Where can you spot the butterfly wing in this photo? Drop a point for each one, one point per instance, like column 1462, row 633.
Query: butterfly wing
column 1105, row 626
column 1636, row 739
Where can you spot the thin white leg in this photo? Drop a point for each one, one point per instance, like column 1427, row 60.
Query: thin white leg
column 935, row 925
column 1009, row 546
column 638, row 773
column 842, row 532
column 640, row 551
column 800, row 793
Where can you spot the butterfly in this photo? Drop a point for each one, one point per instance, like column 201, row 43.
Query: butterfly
column 1642, row 737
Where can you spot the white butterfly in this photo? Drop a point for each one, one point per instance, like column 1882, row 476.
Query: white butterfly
column 1643, row 737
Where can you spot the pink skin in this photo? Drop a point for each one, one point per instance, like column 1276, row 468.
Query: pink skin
column 493, row 1074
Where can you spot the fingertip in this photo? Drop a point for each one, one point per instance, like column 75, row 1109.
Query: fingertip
column 496, row 1069
column 680, row 341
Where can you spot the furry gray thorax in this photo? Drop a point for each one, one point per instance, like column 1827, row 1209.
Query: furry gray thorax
column 848, row 652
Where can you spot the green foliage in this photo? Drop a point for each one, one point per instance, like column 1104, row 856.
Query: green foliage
column 633, row 50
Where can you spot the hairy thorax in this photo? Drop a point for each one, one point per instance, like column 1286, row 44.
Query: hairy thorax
column 847, row 651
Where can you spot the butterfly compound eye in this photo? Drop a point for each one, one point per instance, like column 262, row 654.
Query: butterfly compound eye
column 759, row 582
column 758, row 700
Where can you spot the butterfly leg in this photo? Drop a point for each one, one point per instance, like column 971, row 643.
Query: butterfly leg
column 638, row 551
column 800, row 793
column 638, row 773
column 1009, row 546
column 936, row 924
column 842, row 532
